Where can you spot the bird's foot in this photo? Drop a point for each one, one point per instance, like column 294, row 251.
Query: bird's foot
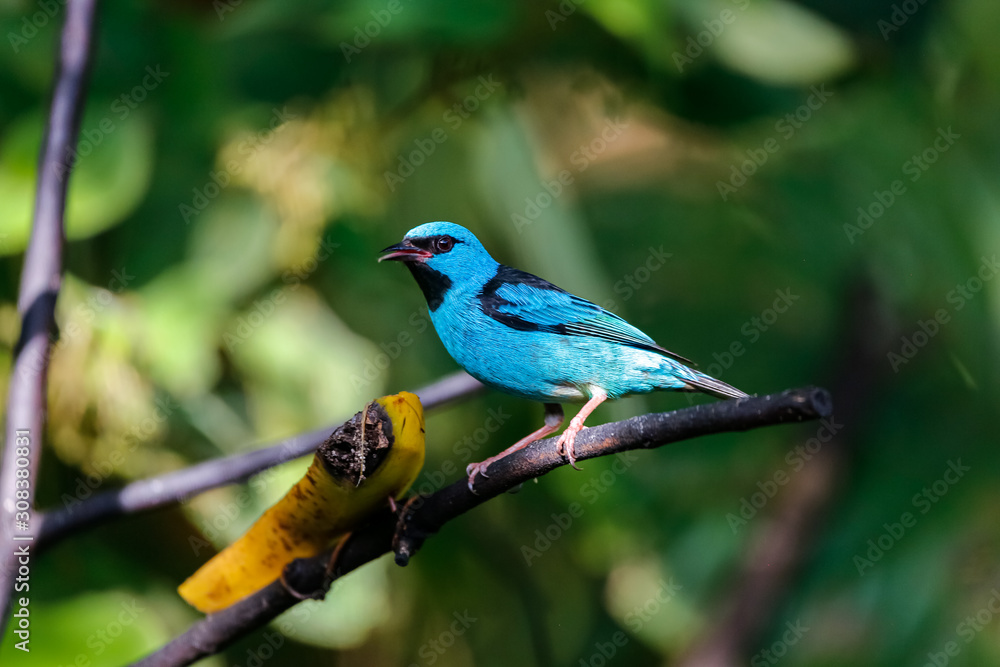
column 553, row 418
column 474, row 469
column 565, row 444
column 568, row 438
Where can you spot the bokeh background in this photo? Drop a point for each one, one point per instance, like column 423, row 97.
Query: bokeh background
column 789, row 193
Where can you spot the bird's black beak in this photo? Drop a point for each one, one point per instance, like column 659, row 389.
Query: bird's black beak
column 404, row 251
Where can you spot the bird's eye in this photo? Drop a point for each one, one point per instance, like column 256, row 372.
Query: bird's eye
column 444, row 243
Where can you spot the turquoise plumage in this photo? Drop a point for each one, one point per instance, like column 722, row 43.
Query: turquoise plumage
column 522, row 335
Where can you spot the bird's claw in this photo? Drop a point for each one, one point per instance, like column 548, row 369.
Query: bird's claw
column 565, row 447
column 476, row 468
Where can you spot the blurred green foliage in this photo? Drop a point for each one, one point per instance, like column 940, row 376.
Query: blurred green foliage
column 241, row 163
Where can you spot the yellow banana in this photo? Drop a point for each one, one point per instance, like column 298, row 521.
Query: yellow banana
column 373, row 457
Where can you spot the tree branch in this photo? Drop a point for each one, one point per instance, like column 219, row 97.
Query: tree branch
column 424, row 516
column 172, row 487
column 40, row 281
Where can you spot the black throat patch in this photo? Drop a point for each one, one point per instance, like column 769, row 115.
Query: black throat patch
column 433, row 284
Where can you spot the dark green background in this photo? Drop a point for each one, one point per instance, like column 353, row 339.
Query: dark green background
column 191, row 333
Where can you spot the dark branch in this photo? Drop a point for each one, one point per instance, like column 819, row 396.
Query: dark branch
column 308, row 577
column 424, row 516
column 148, row 494
column 650, row 431
column 41, row 277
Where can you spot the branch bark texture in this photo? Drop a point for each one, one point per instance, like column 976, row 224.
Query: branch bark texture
column 172, row 487
column 41, row 278
column 423, row 516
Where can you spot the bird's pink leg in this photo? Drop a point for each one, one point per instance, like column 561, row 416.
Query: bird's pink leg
column 568, row 437
column 553, row 420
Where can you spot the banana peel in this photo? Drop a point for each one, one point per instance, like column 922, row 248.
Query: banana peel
column 374, row 456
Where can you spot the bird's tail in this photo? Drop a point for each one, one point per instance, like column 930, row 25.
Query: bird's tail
column 711, row 386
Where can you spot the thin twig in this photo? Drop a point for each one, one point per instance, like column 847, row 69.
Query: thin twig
column 40, row 281
column 172, row 487
column 424, row 516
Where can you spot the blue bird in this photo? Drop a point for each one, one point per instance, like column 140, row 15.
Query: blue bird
column 524, row 336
